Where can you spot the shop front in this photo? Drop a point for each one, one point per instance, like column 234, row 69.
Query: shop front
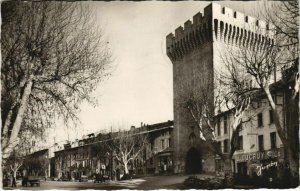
column 165, row 162
column 259, row 167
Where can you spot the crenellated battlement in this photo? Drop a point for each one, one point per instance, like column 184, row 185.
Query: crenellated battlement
column 220, row 24
column 189, row 37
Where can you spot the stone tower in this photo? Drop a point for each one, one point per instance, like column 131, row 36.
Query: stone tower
column 195, row 54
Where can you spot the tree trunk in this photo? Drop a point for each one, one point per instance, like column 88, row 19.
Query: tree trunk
column 5, row 129
column 9, row 146
column 228, row 173
column 126, row 168
column 277, row 123
column 15, row 174
column 293, row 163
column 294, row 168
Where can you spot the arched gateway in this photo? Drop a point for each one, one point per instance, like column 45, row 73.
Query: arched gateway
column 193, row 161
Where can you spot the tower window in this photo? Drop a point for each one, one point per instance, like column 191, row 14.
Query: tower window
column 267, row 27
column 257, row 22
column 234, row 14
column 246, row 19
column 223, row 10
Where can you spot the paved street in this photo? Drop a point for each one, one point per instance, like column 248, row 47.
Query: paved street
column 154, row 182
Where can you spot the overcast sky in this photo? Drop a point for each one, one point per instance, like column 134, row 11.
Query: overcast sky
column 140, row 88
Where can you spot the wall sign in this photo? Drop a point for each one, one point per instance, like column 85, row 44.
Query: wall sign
column 257, row 156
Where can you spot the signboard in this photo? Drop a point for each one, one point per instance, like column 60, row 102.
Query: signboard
column 261, row 167
column 261, row 155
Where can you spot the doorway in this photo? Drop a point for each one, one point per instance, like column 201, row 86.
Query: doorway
column 193, row 162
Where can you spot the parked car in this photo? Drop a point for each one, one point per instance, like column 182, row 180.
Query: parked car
column 101, row 178
column 83, row 178
column 65, row 179
column 31, row 180
column 105, row 177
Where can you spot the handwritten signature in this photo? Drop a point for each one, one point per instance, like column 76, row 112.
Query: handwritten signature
column 265, row 167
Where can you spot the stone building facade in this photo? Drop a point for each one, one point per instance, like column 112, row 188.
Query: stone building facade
column 195, row 51
column 260, row 154
column 258, row 141
column 90, row 156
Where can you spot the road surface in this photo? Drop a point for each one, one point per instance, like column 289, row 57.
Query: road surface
column 146, row 183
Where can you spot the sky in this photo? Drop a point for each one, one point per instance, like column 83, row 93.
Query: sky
column 140, row 88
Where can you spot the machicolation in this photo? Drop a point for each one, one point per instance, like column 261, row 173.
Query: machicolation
column 220, row 24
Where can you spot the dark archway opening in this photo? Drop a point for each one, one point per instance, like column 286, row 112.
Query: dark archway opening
column 193, row 161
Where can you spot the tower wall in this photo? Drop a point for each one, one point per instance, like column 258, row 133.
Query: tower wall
column 191, row 52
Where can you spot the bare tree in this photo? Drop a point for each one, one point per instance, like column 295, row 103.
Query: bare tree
column 16, row 160
column 230, row 92
column 126, row 146
column 263, row 60
column 283, row 16
column 53, row 57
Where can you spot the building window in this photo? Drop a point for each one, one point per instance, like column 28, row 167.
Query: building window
column 267, row 27
column 257, row 22
column 271, row 116
column 240, row 143
column 273, row 140
column 219, row 146
column 162, row 144
column 169, row 142
column 259, row 120
column 226, row 146
column 246, row 19
column 219, row 128
column 225, row 124
column 260, row 142
column 223, row 10
column 234, row 14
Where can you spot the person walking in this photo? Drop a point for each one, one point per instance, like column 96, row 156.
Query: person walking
column 13, row 182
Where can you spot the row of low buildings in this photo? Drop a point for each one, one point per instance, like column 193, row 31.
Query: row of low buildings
column 175, row 146
column 90, row 156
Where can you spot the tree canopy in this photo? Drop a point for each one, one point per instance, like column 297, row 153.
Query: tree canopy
column 53, row 58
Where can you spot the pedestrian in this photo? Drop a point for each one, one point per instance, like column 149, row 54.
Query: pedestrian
column 13, row 182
